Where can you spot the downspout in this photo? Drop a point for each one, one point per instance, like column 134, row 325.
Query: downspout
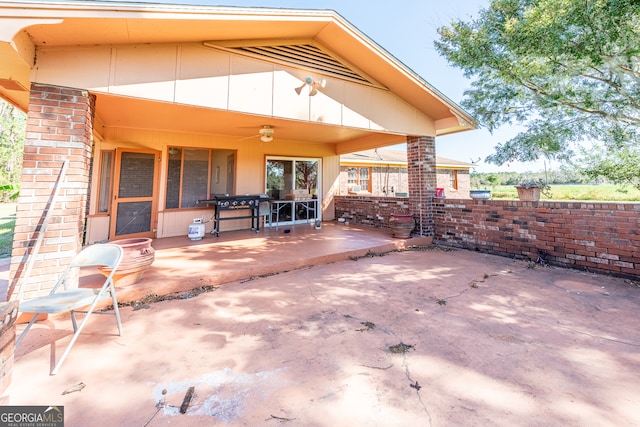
column 421, row 201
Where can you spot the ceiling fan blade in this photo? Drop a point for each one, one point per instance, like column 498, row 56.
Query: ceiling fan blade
column 249, row 137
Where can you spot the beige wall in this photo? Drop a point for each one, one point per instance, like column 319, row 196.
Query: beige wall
column 249, row 179
column 193, row 74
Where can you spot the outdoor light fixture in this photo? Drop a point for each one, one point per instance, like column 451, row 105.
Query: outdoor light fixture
column 266, row 134
column 312, row 85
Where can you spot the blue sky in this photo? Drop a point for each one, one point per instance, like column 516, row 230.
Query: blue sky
column 407, row 29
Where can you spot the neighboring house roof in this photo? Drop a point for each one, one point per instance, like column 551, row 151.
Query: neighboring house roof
column 318, row 40
column 396, row 157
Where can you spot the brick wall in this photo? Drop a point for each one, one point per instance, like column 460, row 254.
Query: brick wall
column 385, row 180
column 599, row 237
column 368, row 210
column 464, row 183
column 394, row 179
column 421, row 162
column 59, row 128
column 376, row 211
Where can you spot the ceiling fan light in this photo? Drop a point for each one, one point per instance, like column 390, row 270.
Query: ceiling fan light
column 266, row 134
column 312, row 84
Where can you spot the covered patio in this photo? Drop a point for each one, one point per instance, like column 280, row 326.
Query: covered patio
column 132, row 131
column 332, row 335
column 181, row 264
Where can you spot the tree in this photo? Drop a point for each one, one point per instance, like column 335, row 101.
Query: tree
column 492, row 179
column 567, row 69
column 12, row 133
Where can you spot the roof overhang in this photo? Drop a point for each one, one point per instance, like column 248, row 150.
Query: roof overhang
column 25, row 26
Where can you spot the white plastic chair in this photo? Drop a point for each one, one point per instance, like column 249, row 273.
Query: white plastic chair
column 264, row 211
column 62, row 299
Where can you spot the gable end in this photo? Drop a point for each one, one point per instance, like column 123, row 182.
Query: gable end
column 306, row 55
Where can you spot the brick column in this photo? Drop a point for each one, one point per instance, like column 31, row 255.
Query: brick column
column 421, row 163
column 59, row 128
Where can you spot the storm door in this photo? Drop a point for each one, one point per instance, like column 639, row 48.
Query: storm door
column 135, row 194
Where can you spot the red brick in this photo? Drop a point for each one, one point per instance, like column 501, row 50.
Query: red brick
column 55, row 135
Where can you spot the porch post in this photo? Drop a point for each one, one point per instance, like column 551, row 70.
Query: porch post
column 421, row 163
column 59, row 128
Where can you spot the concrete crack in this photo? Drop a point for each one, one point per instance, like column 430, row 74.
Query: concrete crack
column 414, row 384
column 314, row 296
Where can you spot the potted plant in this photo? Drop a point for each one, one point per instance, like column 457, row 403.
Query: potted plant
column 401, row 224
column 530, row 191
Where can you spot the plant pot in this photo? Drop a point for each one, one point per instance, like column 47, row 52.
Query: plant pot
column 480, row 194
column 528, row 194
column 138, row 256
column 401, row 225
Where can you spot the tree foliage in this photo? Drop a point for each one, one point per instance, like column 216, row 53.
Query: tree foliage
column 565, row 175
column 12, row 133
column 569, row 70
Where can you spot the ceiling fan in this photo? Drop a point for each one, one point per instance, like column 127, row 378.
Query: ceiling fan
column 265, row 133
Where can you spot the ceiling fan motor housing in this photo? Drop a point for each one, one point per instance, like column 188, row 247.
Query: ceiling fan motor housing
column 266, row 134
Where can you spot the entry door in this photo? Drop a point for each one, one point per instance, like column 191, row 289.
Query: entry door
column 135, row 194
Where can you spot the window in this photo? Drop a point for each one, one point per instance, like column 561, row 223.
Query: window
column 453, row 179
column 363, row 178
column 194, row 174
column 286, row 175
column 104, row 186
column 359, row 176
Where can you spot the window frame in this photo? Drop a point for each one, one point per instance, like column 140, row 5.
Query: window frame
column 453, row 179
column 213, row 173
column 358, row 176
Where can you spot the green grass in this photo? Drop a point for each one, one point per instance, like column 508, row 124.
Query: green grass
column 599, row 193
column 7, row 222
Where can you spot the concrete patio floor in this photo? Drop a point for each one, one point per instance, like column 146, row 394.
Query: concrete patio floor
column 427, row 337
